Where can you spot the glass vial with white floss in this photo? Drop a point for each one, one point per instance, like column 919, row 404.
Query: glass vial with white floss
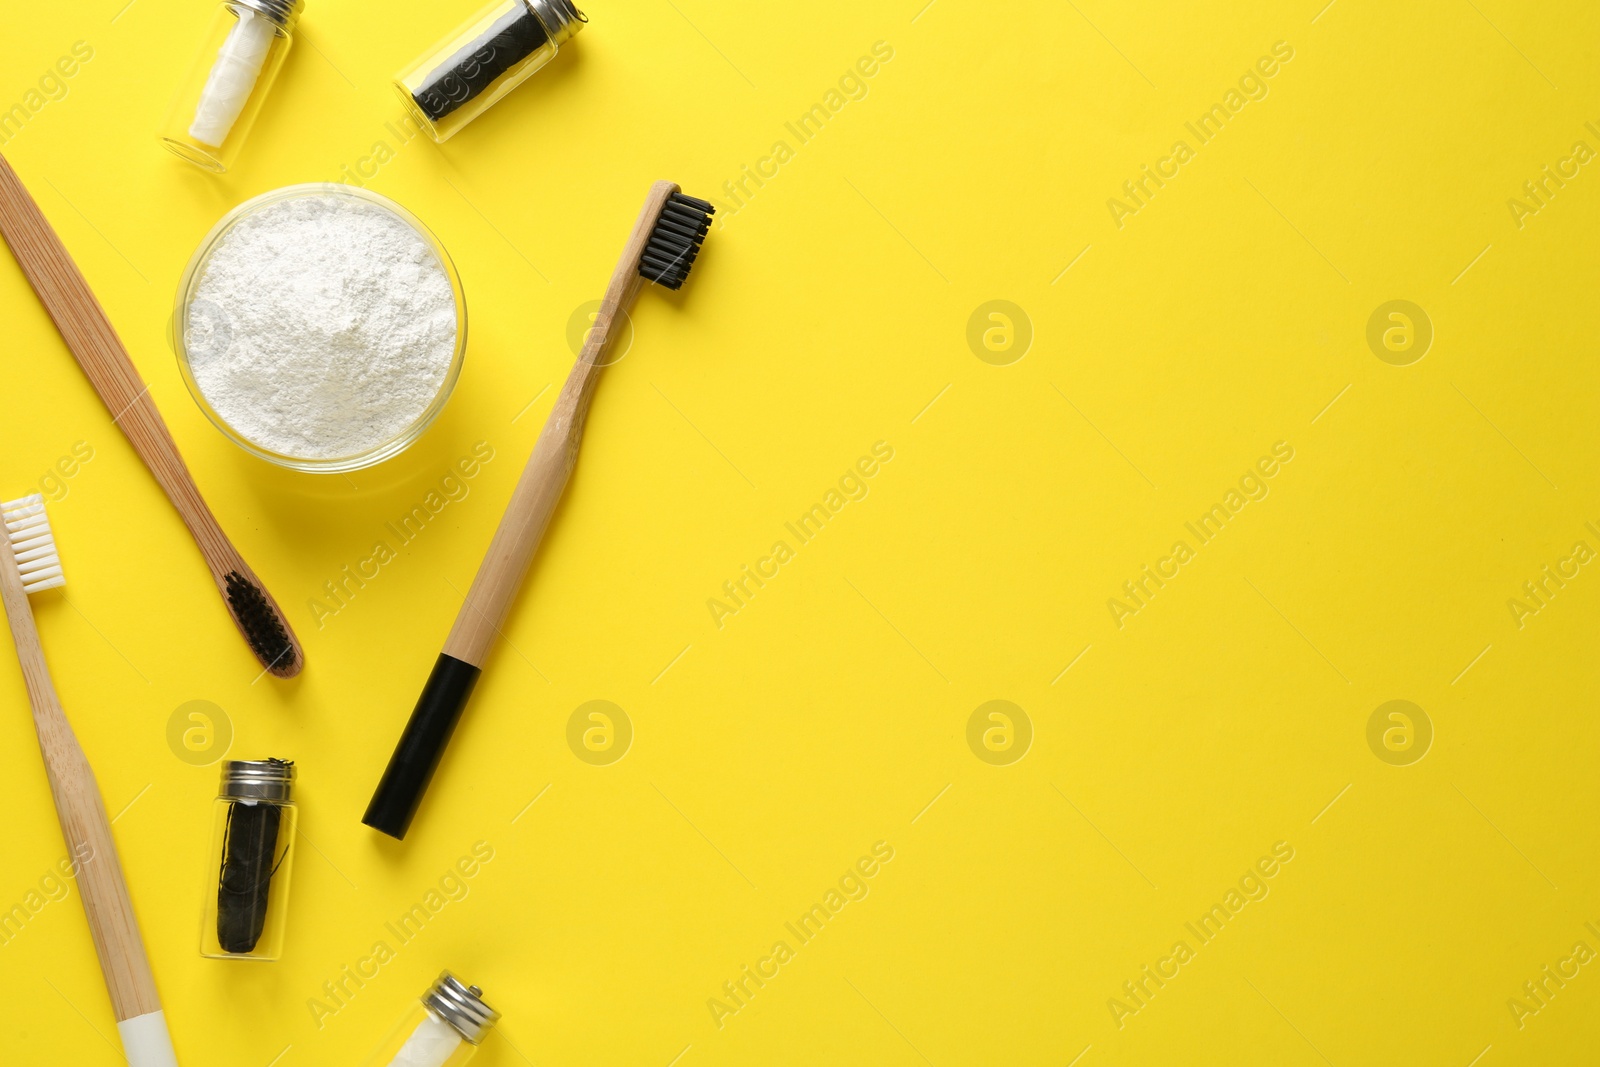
column 443, row 1029
column 482, row 60
column 248, row 866
column 243, row 51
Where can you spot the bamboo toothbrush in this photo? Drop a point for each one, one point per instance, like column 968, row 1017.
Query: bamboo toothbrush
column 29, row 564
column 661, row 249
column 99, row 351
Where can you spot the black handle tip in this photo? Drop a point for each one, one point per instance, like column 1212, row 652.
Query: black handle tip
column 421, row 746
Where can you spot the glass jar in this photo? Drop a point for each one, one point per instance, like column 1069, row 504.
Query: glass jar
column 248, row 866
column 215, row 330
column 443, row 1029
column 219, row 99
column 484, row 59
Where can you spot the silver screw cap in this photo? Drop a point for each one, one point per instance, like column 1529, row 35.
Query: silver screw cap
column 561, row 18
column 257, row 779
column 461, row 1006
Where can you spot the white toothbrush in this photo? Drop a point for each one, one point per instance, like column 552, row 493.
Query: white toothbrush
column 29, row 564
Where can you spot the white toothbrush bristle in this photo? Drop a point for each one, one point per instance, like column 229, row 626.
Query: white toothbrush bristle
column 32, row 544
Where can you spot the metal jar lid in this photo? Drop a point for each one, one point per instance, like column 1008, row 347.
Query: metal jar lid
column 461, row 1006
column 561, row 18
column 285, row 13
column 257, row 779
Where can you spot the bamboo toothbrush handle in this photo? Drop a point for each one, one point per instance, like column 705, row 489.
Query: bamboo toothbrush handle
column 99, row 351
column 511, row 551
column 93, row 851
column 555, row 454
column 93, row 341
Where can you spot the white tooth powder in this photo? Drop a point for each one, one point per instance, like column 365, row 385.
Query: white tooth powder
column 322, row 326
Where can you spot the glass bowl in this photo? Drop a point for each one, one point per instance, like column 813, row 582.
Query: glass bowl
column 191, row 281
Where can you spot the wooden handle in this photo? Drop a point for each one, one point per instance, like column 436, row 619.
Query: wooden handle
column 554, row 455
column 99, row 351
column 83, row 818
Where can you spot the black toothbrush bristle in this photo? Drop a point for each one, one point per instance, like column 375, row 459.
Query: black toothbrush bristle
column 261, row 625
column 675, row 241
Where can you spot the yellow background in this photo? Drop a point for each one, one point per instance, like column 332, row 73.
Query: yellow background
column 831, row 712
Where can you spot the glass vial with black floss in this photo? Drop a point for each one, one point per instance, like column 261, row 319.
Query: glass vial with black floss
column 484, row 59
column 252, row 846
